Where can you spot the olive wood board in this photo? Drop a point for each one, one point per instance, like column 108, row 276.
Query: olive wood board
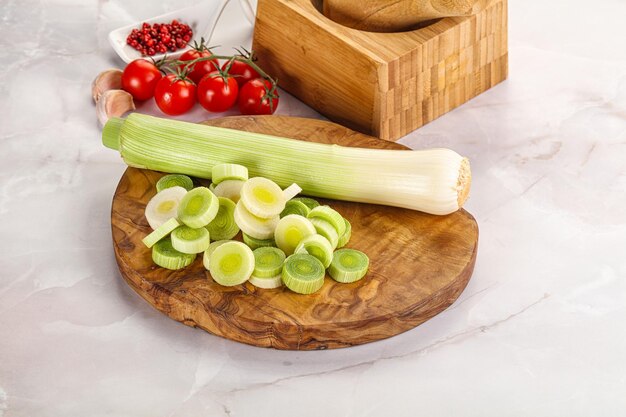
column 419, row 264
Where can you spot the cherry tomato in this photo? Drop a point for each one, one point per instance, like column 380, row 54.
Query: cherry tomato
column 200, row 69
column 140, row 78
column 217, row 92
column 241, row 71
column 175, row 96
column 255, row 96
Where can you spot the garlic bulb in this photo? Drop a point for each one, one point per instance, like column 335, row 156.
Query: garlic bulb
column 113, row 103
column 110, row 79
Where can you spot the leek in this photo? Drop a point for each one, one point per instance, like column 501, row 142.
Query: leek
column 435, row 181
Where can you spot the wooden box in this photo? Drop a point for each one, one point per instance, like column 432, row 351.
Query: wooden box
column 382, row 84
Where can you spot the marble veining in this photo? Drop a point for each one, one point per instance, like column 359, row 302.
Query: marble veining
column 540, row 330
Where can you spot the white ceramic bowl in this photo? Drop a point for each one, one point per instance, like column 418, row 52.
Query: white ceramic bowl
column 201, row 17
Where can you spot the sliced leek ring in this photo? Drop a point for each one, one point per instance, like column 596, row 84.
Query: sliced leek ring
column 291, row 191
column 163, row 206
column 267, row 283
column 327, row 230
column 345, row 238
column 290, row 230
column 165, row 256
column 303, row 273
column 295, row 207
column 268, row 262
column 223, row 172
column 223, row 226
column 198, row 207
column 331, row 216
column 160, row 232
column 231, row 263
column 188, row 240
column 257, row 243
column 253, row 226
column 230, row 189
column 206, row 257
column 173, row 180
column 309, row 202
column 348, row 265
column 317, row 246
column 262, row 197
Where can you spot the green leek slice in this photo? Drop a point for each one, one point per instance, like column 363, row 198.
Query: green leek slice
column 309, row 202
column 212, row 188
column 267, row 283
column 223, row 226
column 165, row 256
column 254, row 226
column 303, row 273
column 163, row 206
column 257, row 243
column 348, row 265
column 268, row 262
column 231, row 263
column 295, row 207
column 331, row 216
column 290, row 230
column 327, row 230
column 262, row 197
column 345, row 238
column 174, row 180
column 206, row 257
column 188, row 240
column 223, row 172
column 198, row 207
column 230, row 189
column 160, row 232
column 318, row 246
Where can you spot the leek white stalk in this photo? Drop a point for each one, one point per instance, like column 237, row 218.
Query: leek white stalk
column 435, row 181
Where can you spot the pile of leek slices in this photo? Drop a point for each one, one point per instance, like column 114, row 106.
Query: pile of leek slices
column 287, row 240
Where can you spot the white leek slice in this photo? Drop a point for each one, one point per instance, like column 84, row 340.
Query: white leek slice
column 230, row 189
column 292, row 191
column 206, row 257
column 262, row 197
column 163, row 206
column 267, row 283
column 290, row 231
column 253, row 226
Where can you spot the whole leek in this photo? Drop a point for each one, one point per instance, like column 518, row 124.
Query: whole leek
column 435, row 181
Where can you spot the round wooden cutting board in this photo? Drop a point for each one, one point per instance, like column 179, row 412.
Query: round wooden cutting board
column 419, row 264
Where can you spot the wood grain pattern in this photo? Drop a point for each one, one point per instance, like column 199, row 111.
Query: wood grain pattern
column 420, row 264
column 382, row 84
column 398, row 15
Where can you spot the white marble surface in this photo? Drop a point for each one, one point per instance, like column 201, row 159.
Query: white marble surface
column 540, row 330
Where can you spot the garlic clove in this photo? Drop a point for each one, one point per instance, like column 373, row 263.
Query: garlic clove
column 110, row 79
column 113, row 103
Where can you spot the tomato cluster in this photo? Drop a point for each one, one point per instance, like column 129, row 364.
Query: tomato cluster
column 199, row 77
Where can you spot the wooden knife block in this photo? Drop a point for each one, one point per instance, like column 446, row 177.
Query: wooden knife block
column 382, row 84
